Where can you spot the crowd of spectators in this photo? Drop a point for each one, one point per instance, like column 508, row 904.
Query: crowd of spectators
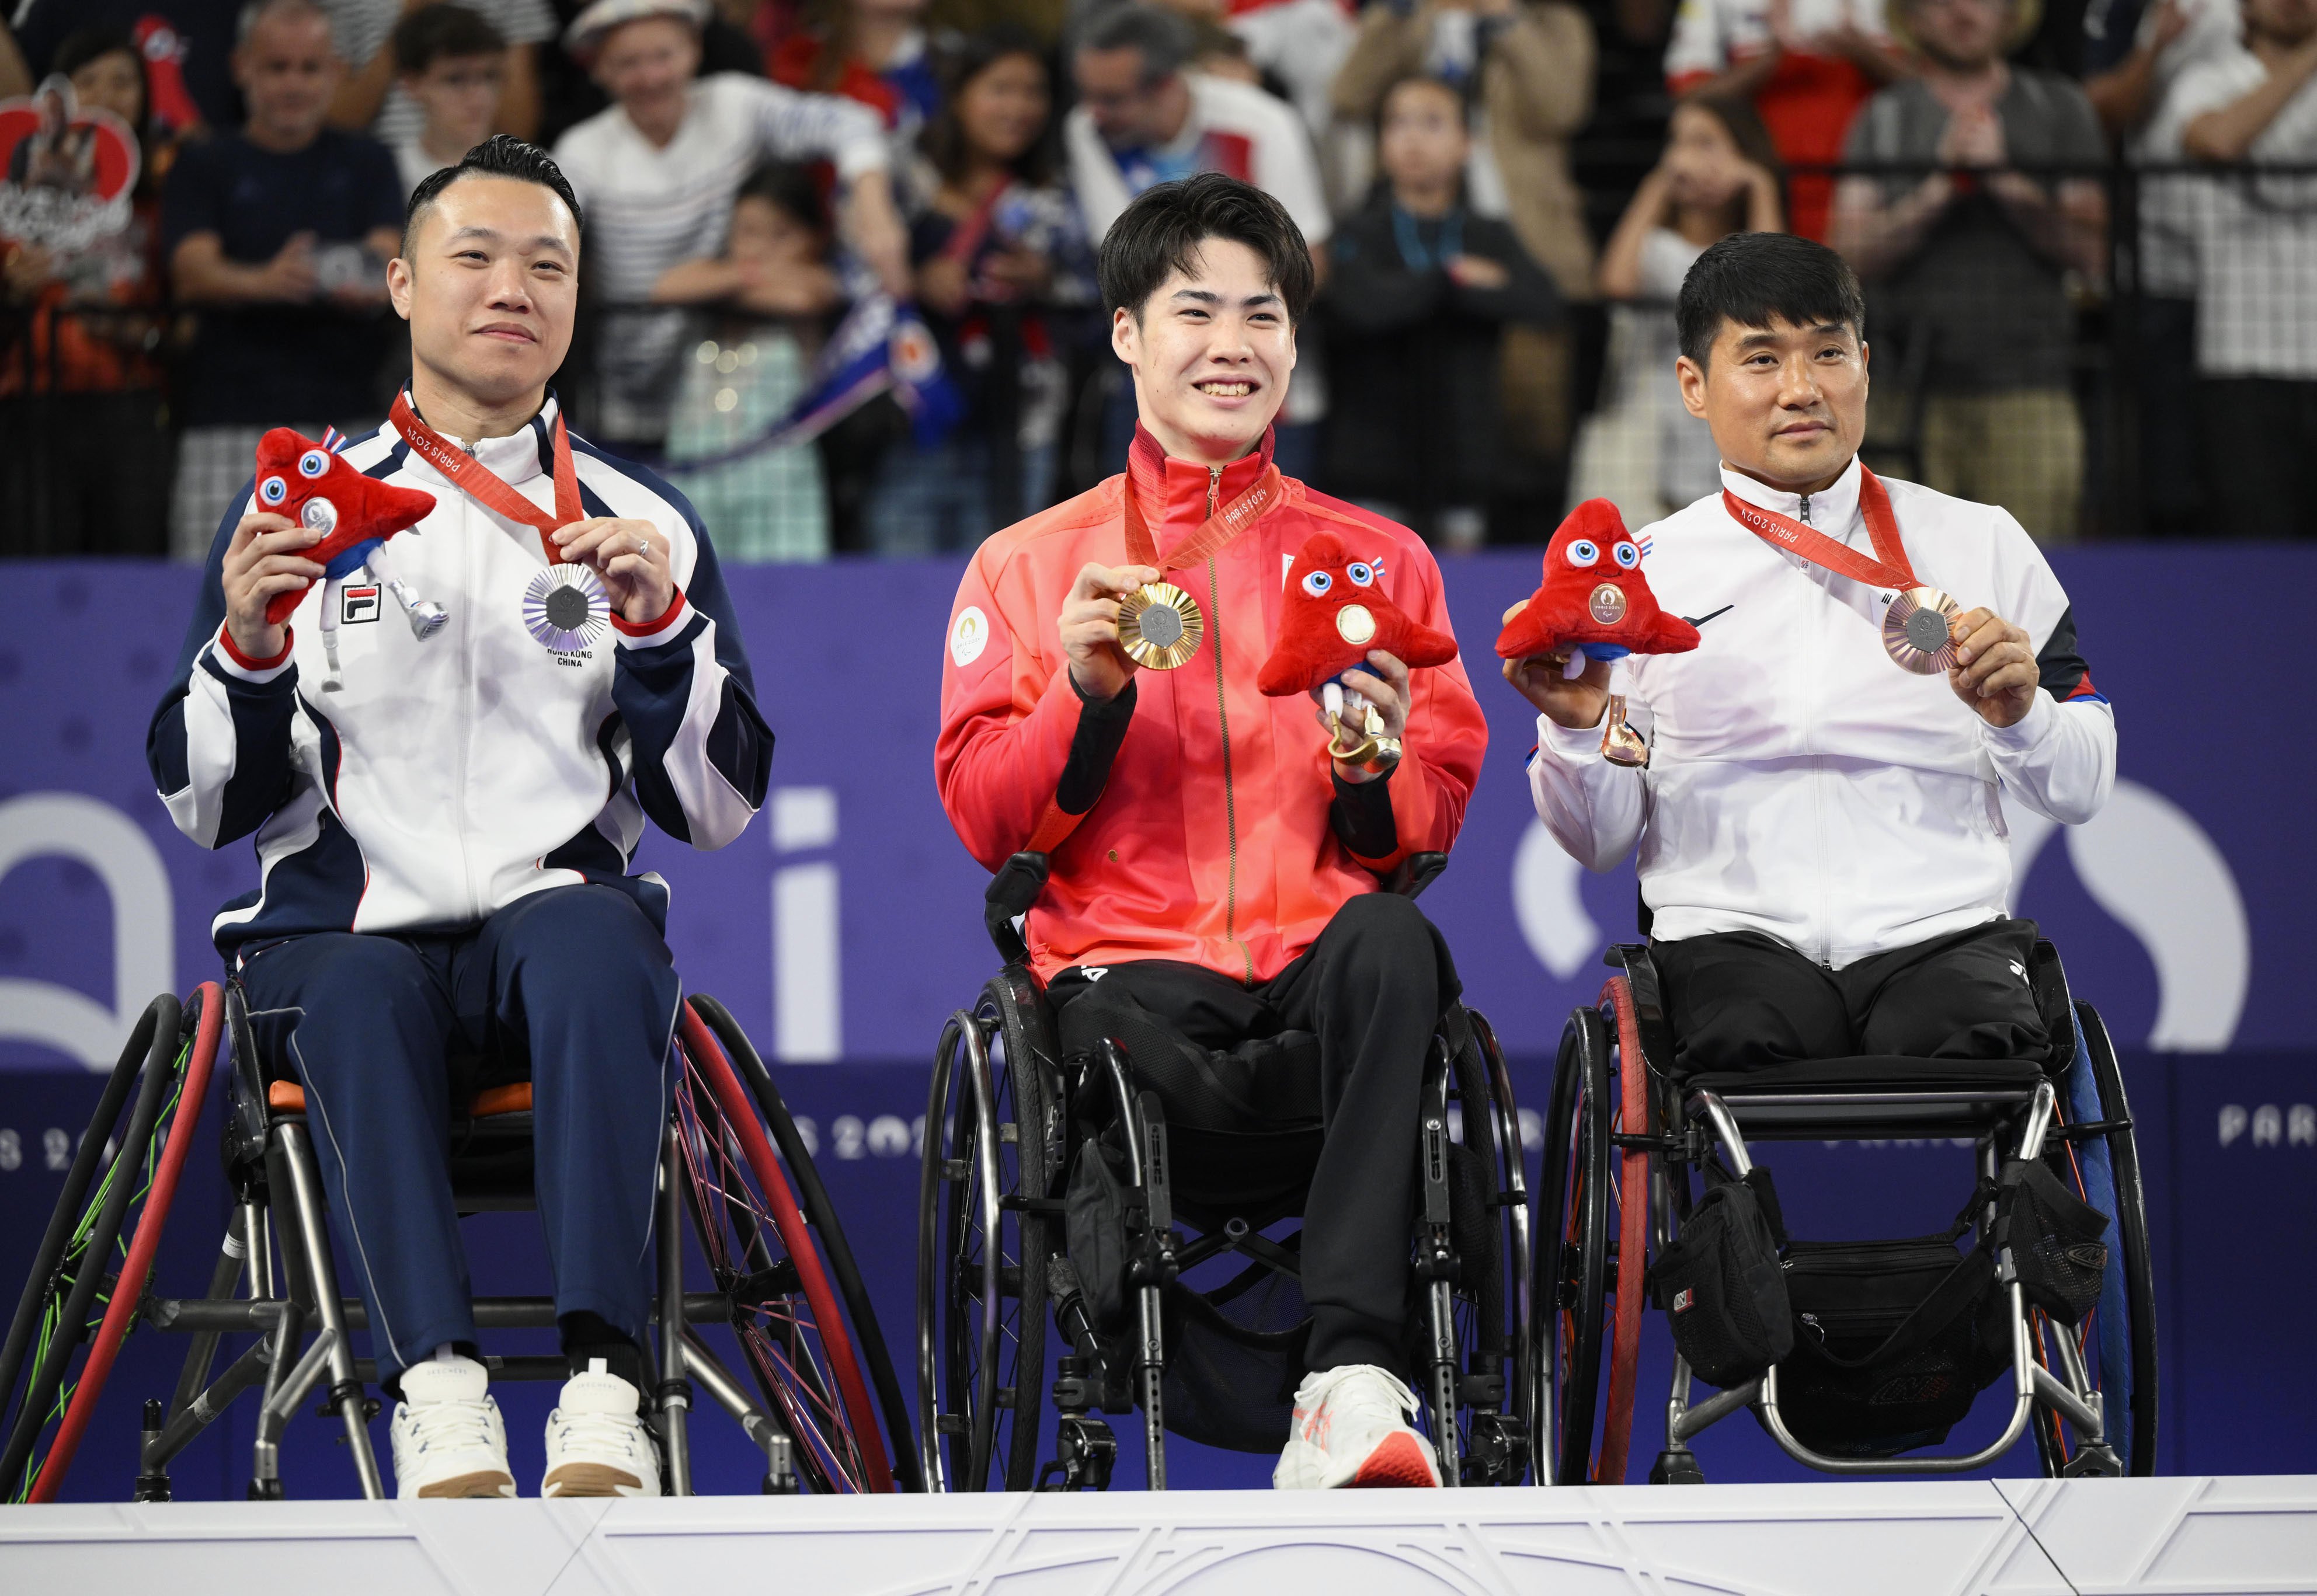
column 2087, row 230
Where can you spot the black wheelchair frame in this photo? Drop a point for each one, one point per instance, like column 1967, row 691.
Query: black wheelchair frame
column 1623, row 1122
column 1002, row 1128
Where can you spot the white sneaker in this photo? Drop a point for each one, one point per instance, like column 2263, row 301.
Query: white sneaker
column 596, row 1446
column 449, row 1439
column 1351, row 1429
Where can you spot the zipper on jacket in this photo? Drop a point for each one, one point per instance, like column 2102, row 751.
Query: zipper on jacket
column 1223, row 720
column 470, row 585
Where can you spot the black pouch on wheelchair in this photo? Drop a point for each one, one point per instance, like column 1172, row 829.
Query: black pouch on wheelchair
column 2055, row 1237
column 1094, row 1222
column 1721, row 1286
column 1892, row 1340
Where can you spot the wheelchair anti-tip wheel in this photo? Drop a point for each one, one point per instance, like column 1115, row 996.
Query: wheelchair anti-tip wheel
column 785, row 1311
column 98, row 1252
column 993, row 1147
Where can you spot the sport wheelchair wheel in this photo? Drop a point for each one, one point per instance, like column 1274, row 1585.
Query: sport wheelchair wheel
column 820, row 1214
column 1591, row 1253
column 1497, row 1396
column 2101, row 1164
column 993, row 1148
column 784, row 1312
column 104, row 1237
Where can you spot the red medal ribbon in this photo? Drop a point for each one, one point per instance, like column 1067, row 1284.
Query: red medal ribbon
column 479, row 483
column 1890, row 569
column 1216, row 530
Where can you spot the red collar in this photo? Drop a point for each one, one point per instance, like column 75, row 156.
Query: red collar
column 1181, row 486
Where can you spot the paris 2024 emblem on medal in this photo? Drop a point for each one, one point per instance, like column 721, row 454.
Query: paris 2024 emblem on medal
column 1160, row 626
column 1915, row 631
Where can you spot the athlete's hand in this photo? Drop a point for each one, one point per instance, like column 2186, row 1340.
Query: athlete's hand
column 1995, row 670
column 1575, row 704
column 266, row 557
column 1383, row 684
column 630, row 556
column 1089, row 628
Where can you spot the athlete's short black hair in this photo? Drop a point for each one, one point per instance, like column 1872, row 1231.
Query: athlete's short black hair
column 502, row 155
column 1160, row 233
column 1754, row 278
column 432, row 33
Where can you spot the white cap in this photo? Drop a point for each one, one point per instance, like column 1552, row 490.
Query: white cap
column 587, row 29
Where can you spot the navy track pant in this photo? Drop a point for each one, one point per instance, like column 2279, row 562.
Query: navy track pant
column 574, row 982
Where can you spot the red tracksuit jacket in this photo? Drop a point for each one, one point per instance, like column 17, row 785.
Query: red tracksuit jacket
column 1201, row 821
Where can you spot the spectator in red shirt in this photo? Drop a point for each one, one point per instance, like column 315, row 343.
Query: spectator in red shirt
column 88, row 468
column 1806, row 65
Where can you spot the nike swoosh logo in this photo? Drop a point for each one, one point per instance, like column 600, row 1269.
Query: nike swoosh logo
column 1702, row 619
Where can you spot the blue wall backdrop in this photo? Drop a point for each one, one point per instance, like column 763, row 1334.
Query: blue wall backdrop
column 844, row 926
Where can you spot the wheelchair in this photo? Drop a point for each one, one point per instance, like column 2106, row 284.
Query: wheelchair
column 1629, row 1137
column 1010, row 1122
column 819, row 1377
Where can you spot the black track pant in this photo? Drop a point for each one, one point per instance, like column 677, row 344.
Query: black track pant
column 1740, row 1000
column 1371, row 988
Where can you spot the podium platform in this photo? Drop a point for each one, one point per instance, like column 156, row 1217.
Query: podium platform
column 2015, row 1537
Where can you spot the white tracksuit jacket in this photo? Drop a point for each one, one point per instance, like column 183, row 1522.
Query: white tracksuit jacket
column 1801, row 784
column 450, row 776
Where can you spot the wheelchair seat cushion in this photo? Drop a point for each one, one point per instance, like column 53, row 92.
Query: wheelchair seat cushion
column 1873, row 1074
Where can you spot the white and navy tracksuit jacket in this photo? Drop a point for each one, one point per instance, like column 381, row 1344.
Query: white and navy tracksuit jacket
column 446, row 778
column 1799, row 783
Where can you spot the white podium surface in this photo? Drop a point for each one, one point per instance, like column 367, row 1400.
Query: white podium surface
column 2189, row 1536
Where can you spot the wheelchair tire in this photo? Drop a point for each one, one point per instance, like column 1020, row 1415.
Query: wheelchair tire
column 1498, row 1321
column 2129, row 1358
column 1571, row 1292
column 785, row 1313
column 992, row 1150
column 821, row 1217
column 179, row 1045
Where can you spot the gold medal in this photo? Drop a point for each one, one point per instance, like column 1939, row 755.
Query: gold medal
column 1915, row 631
column 1160, row 626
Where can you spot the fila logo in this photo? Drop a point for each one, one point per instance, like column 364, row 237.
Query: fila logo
column 357, row 604
column 1685, row 1299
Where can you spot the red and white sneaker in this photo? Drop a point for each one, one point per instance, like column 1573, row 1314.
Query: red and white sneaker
column 1351, row 1429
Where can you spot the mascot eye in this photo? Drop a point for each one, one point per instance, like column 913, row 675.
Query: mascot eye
column 1583, row 552
column 1361, row 576
column 1627, row 555
column 273, row 490
column 1318, row 583
column 313, row 463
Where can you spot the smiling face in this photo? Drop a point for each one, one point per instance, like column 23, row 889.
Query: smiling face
column 1002, row 108
column 1787, row 405
column 287, row 70
column 113, row 81
column 1210, row 352
column 646, row 65
column 489, row 281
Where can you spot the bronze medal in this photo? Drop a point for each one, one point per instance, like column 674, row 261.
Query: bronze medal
column 1607, row 604
column 1915, row 631
column 1160, row 626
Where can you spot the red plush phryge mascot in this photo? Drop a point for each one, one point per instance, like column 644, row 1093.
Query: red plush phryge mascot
column 311, row 485
column 1594, row 603
column 1336, row 611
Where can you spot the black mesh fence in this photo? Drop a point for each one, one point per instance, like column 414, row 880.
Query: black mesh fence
column 2109, row 353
